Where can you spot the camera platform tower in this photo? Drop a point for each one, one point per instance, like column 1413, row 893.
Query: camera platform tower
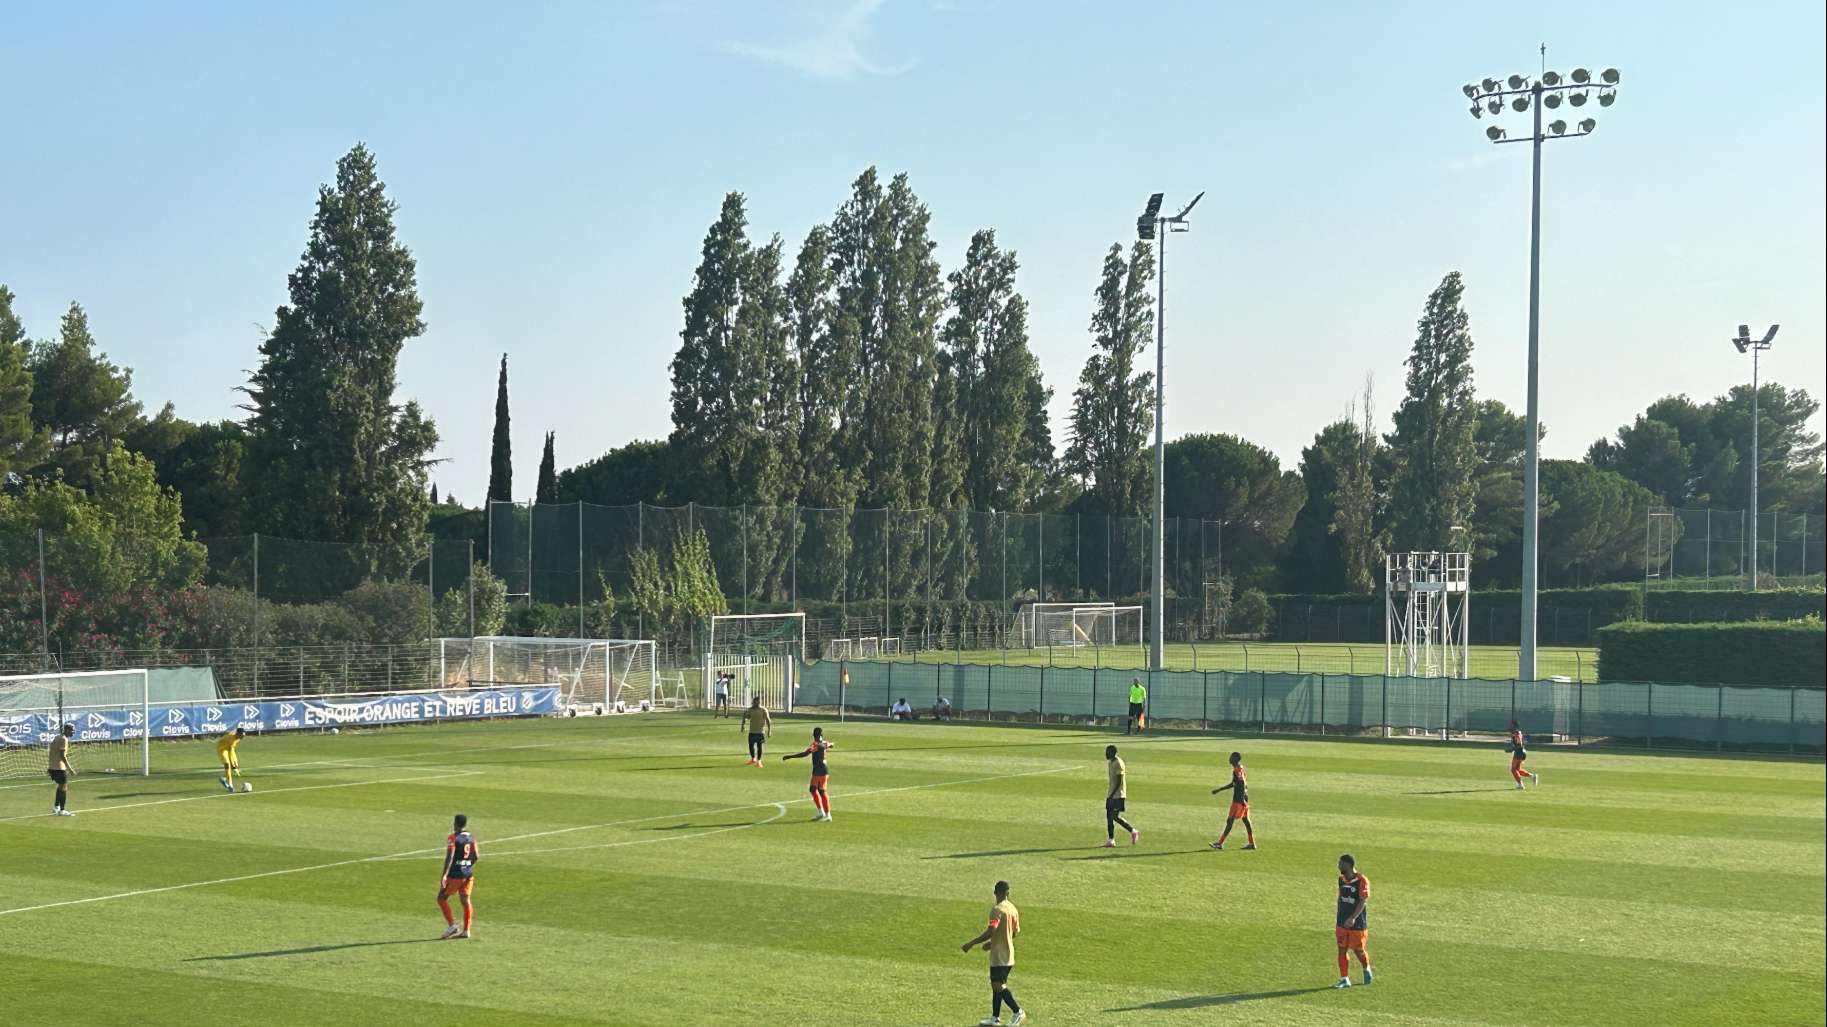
column 1426, row 627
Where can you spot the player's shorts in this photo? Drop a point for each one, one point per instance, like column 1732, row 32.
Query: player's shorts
column 1239, row 810
column 756, row 738
column 1115, row 805
column 723, row 699
column 818, row 780
column 1349, row 939
column 457, row 886
column 1516, row 762
column 60, row 776
column 1135, row 709
column 1000, row 974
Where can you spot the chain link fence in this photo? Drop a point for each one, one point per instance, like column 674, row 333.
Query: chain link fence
column 1704, row 548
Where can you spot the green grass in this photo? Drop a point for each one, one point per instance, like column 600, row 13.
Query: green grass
column 635, row 872
column 1487, row 661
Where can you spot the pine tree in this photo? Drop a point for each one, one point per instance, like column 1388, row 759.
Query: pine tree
column 547, row 489
column 22, row 443
column 336, row 457
column 82, row 400
column 501, row 447
column 1356, row 501
column 434, row 494
column 1435, row 427
column 1112, row 406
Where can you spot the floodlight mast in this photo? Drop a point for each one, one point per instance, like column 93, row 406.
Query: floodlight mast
column 1745, row 344
column 1152, row 226
column 1520, row 93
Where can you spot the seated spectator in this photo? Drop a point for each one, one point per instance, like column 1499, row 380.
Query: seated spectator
column 942, row 710
column 900, row 710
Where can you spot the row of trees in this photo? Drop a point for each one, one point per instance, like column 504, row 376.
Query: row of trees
column 854, row 373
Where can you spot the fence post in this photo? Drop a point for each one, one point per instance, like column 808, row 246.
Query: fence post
column 1446, row 726
column 1792, row 720
column 1719, row 723
column 1043, row 695
column 1094, row 671
column 989, row 691
column 1322, row 702
column 1262, row 700
column 1649, row 715
column 1512, row 700
column 1385, row 680
column 1205, row 687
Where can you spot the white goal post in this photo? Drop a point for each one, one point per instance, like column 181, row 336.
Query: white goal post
column 759, row 652
column 1045, row 625
column 109, row 711
column 593, row 675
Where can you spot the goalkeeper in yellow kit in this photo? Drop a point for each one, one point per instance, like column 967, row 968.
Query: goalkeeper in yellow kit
column 225, row 751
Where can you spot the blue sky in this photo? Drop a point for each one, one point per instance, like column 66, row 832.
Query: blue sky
column 556, row 168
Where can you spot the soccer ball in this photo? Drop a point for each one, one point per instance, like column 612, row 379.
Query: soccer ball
column 247, row 786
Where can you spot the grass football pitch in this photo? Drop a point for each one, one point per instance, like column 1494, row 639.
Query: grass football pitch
column 1493, row 662
column 634, row 871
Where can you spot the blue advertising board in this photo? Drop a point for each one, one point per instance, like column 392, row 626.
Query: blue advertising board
column 189, row 720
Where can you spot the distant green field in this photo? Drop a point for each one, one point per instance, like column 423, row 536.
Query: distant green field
column 1488, row 661
column 634, row 871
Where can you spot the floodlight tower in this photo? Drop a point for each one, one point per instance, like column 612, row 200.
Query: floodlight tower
column 1151, row 225
column 1746, row 344
column 1521, row 94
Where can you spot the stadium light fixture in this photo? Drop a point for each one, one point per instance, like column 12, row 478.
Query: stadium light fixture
column 1525, row 95
column 1153, row 226
column 1745, row 344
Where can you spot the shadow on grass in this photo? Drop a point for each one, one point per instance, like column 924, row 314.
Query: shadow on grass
column 1463, row 791
column 308, row 950
column 692, row 766
column 1120, row 854
column 141, row 795
column 1006, row 852
column 1203, row 1001
column 706, row 827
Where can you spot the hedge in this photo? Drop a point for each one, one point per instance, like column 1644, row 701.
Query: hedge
column 1694, row 606
column 1742, row 653
column 1564, row 616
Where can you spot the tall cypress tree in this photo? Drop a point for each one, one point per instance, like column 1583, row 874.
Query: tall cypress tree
column 501, row 449
column 996, row 379
column 547, row 489
column 336, row 456
column 1112, row 406
column 1435, row 428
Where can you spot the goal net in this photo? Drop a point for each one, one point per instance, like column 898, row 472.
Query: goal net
column 1047, row 625
column 593, row 675
column 758, row 653
column 108, row 710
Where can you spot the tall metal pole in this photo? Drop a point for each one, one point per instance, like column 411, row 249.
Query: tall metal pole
column 1525, row 669
column 44, row 609
column 1755, row 353
column 1159, row 599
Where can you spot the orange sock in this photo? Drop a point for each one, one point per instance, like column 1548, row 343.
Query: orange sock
column 469, row 913
column 444, row 907
column 1344, row 964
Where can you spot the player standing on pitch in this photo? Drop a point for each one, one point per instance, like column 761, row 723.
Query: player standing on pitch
column 458, row 877
column 60, row 769
column 1353, row 927
column 760, row 725
column 723, row 694
column 821, row 771
column 1138, row 707
column 1240, row 806
column 1116, row 800
column 999, row 939
column 1518, row 754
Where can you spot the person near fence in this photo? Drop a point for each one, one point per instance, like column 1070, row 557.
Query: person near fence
column 226, row 752
column 1240, row 806
column 942, row 710
column 901, row 710
column 723, row 694
column 1353, row 927
column 61, row 770
column 1138, row 707
column 1116, row 800
column 1518, row 754
column 760, row 725
column 821, row 771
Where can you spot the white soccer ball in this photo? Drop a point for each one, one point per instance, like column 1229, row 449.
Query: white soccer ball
column 336, row 731
column 247, row 786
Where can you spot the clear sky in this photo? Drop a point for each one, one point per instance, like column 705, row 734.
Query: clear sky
column 556, row 167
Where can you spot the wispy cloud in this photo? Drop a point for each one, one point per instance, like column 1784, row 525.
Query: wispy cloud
column 836, row 47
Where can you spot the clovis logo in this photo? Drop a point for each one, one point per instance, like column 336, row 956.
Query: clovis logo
column 174, row 716
column 286, row 709
column 97, row 720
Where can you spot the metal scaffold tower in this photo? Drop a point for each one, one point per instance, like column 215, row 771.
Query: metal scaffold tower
column 1426, row 629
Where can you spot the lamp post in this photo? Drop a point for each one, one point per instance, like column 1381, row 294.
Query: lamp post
column 1522, row 94
column 1745, row 344
column 1151, row 225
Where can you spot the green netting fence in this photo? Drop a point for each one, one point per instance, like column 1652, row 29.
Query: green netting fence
column 1647, row 714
